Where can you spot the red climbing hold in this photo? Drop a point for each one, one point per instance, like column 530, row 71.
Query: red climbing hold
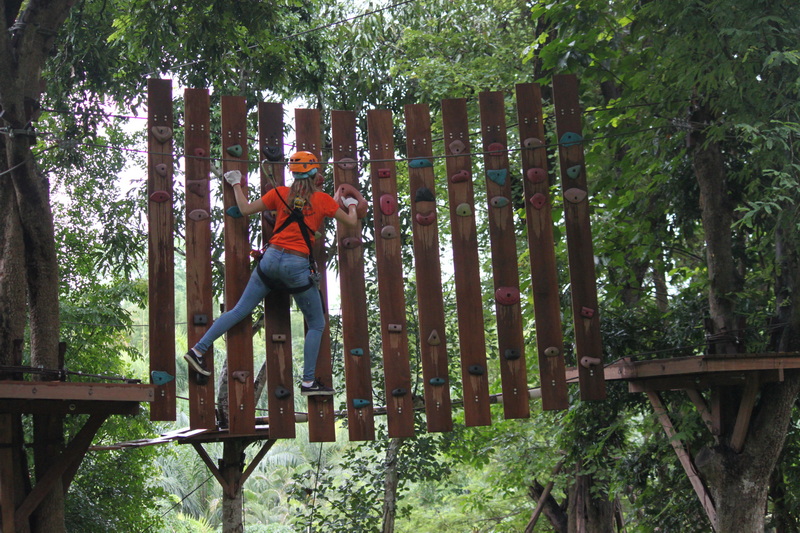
column 351, row 242
column 460, row 176
column 384, row 173
column 199, row 152
column 538, row 200
column 348, row 191
column 536, row 175
column 159, row 197
column 507, row 295
column 496, row 149
column 198, row 187
column 388, row 204
column 426, row 220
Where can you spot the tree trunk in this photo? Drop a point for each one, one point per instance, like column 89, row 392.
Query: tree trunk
column 390, row 485
column 589, row 513
column 550, row 508
column 231, row 470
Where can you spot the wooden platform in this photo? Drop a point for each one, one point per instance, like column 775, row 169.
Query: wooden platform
column 59, row 397
column 697, row 372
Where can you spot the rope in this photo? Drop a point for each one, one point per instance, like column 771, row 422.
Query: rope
column 180, row 502
column 314, row 493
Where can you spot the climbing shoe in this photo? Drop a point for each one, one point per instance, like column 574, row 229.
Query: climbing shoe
column 196, row 362
column 316, row 389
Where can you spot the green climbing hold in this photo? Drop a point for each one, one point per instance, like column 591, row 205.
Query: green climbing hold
column 420, row 163
column 498, row 176
column 235, row 150
column 570, row 139
column 437, row 381
column 574, row 171
column 357, row 351
column 358, row 403
column 463, row 210
column 159, row 377
column 234, row 212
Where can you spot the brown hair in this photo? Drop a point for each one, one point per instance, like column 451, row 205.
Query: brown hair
column 302, row 188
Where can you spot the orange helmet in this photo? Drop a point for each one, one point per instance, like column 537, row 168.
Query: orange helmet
column 303, row 162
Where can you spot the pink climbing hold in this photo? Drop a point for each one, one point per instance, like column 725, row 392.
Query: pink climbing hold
column 507, row 295
column 351, row 242
column 460, row 176
column 536, row 175
column 161, row 169
column 159, row 197
column 496, row 149
column 384, row 173
column 426, row 220
column 388, row 204
column 538, row 200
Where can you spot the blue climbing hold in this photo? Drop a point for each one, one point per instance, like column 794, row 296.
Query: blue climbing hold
column 437, row 381
column 574, row 171
column 359, row 403
column 420, row 163
column 159, row 377
column 498, row 176
column 235, row 150
column 357, row 351
column 570, row 139
column 234, row 212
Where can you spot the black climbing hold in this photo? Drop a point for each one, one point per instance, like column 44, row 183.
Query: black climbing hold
column 272, row 153
column 437, row 381
column 282, row 392
column 399, row 392
column 424, row 194
column 511, row 354
column 200, row 320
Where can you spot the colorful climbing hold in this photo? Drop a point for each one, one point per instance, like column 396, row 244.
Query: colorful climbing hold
column 272, row 153
column 161, row 133
column 161, row 169
column 420, row 162
column 160, row 377
column 360, row 403
column 457, row 146
column 538, row 200
column 198, row 215
column 574, row 171
column 389, row 232
column 357, row 351
column 570, row 139
column 551, row 351
column 536, row 175
column 234, row 211
column 507, row 295
column 351, row 242
column 436, row 382
column 427, row 219
column 499, row 201
column 587, row 312
column 463, row 210
column 498, row 176
column 532, row 142
column 434, row 339
column 199, row 152
column 198, row 187
column 574, row 195
column 460, row 176
column 424, row 194
column 235, row 150
column 476, row 370
column 496, row 148
column 347, row 163
column 159, row 197
column 388, row 204
column 384, row 173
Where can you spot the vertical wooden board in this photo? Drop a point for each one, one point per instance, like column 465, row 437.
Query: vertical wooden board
column 199, row 310
column 321, row 422
column 466, row 265
column 516, row 403
column 583, row 283
column 541, row 245
column 160, row 244
column 433, row 338
column 277, row 321
column 397, row 372
column 7, row 496
column 360, row 420
column 241, row 403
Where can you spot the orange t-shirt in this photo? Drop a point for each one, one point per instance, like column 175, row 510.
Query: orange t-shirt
column 321, row 206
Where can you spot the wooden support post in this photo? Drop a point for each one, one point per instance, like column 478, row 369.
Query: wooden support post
column 745, row 412
column 430, row 303
column 586, row 317
column 7, row 493
column 383, row 172
column 700, row 404
column 241, row 403
column 505, row 271
column 321, row 421
column 684, row 457
column 277, row 319
column 74, row 451
column 472, row 339
column 160, row 244
column 355, row 324
column 199, row 305
column 541, row 247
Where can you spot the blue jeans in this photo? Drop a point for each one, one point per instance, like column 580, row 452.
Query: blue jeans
column 293, row 271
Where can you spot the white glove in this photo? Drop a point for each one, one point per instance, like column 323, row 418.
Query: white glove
column 349, row 201
column 233, row 177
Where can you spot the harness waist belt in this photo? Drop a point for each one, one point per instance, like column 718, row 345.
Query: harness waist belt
column 288, row 251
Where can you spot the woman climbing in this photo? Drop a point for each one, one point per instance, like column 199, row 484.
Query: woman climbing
column 287, row 263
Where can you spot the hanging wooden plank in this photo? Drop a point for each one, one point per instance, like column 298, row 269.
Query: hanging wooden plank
column 588, row 343
column 199, row 305
column 504, row 256
column 241, row 404
column 472, row 340
column 541, row 247
column 160, row 245
column 321, row 421
column 360, row 415
column 391, row 290
column 7, row 494
column 432, row 335
column 277, row 318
